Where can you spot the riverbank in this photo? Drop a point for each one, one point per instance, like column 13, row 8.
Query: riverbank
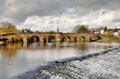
column 108, row 39
column 90, row 66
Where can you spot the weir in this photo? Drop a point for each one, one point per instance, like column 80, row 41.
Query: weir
column 78, row 67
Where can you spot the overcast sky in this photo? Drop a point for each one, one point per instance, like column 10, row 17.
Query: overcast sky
column 46, row 15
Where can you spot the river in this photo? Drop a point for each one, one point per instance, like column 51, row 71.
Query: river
column 17, row 58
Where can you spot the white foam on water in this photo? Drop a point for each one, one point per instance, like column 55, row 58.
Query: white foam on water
column 101, row 67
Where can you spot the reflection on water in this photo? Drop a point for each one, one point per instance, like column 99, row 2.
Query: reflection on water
column 16, row 58
column 10, row 49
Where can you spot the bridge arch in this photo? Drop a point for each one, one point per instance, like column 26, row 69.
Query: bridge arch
column 51, row 39
column 16, row 38
column 81, row 38
column 4, row 39
column 99, row 37
column 66, row 39
column 96, row 38
column 33, row 39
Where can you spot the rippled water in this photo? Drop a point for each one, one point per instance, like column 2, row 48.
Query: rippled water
column 17, row 58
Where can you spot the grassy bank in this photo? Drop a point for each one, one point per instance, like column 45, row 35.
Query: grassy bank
column 108, row 39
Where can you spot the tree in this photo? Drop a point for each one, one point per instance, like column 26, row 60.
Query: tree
column 16, row 38
column 7, row 27
column 81, row 29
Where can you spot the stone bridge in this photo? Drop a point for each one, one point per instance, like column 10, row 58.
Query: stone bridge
column 52, row 37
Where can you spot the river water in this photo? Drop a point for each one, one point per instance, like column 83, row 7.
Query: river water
column 17, row 58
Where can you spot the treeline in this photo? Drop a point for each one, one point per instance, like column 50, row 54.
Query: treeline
column 82, row 29
column 87, row 29
column 6, row 27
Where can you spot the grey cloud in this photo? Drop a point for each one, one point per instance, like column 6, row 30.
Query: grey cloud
column 20, row 10
column 116, row 20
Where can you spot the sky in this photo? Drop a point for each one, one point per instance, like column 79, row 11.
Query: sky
column 47, row 15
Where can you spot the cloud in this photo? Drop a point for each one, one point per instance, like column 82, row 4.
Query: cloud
column 67, row 21
column 49, row 14
column 105, row 19
column 19, row 10
column 4, row 19
column 49, row 23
